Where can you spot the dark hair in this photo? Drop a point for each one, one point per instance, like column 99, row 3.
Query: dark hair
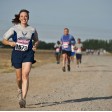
column 66, row 29
column 79, row 39
column 16, row 19
column 58, row 42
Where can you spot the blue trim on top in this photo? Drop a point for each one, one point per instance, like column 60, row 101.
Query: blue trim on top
column 30, row 43
column 14, row 38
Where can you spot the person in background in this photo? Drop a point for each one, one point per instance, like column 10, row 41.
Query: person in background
column 78, row 47
column 57, row 47
column 72, row 53
column 66, row 41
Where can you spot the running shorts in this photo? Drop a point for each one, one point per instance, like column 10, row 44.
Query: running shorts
column 72, row 53
column 78, row 56
column 19, row 57
column 57, row 53
column 66, row 52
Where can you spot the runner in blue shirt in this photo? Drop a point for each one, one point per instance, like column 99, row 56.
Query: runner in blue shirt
column 23, row 51
column 66, row 40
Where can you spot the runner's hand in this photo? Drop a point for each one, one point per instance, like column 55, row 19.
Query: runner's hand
column 34, row 48
column 12, row 44
column 75, row 48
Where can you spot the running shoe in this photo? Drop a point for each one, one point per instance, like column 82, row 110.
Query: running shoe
column 22, row 103
column 64, row 70
column 58, row 62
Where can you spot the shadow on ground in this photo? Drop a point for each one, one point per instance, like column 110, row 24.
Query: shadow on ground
column 45, row 104
column 95, row 70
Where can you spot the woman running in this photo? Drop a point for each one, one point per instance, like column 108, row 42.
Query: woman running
column 57, row 47
column 78, row 48
column 23, row 51
column 66, row 40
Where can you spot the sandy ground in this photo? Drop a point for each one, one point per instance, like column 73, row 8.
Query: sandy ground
column 51, row 89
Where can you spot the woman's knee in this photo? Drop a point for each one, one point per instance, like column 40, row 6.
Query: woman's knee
column 25, row 76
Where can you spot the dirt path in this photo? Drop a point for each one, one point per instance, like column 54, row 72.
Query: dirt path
column 51, row 89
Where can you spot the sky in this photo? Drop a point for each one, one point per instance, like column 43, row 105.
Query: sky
column 86, row 19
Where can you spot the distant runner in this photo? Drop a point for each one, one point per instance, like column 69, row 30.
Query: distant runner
column 23, row 51
column 78, row 48
column 72, row 53
column 57, row 47
column 66, row 40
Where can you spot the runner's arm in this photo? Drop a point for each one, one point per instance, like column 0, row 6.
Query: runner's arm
column 75, row 47
column 36, row 41
column 82, row 48
column 7, row 36
column 61, row 41
column 72, row 42
column 7, row 42
column 55, row 46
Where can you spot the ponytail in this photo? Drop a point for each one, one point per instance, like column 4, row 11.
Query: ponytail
column 16, row 19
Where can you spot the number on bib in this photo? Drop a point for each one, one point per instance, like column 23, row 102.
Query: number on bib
column 21, row 47
column 57, row 50
column 65, row 44
column 79, row 50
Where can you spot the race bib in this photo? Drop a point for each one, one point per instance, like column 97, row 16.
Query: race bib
column 22, row 45
column 57, row 49
column 79, row 50
column 65, row 44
